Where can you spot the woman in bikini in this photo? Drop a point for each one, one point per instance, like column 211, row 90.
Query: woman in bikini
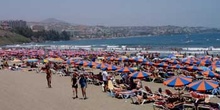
column 48, row 76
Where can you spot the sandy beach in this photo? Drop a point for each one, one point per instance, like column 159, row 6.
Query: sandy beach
column 28, row 91
column 24, row 90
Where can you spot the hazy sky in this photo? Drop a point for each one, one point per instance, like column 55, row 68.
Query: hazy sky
column 116, row 12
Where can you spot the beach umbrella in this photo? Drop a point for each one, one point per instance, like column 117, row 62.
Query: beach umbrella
column 90, row 64
column 193, row 68
column 204, row 68
column 139, row 75
column 206, row 57
column 177, row 66
column 203, row 62
column 147, row 63
column 101, row 65
column 165, row 59
column 173, row 61
column 110, row 68
column 76, row 58
column 125, row 70
column 210, row 74
column 163, row 64
column 216, row 63
column 177, row 81
column 189, row 61
column 31, row 60
column 171, row 56
column 68, row 62
column 140, row 60
column 82, row 63
column 111, row 58
column 131, row 59
column 214, row 67
column 121, row 59
column 203, row 85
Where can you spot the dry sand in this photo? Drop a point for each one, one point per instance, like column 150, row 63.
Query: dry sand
column 22, row 90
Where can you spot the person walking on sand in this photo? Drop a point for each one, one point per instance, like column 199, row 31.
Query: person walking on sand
column 48, row 76
column 83, row 84
column 105, row 80
column 74, row 85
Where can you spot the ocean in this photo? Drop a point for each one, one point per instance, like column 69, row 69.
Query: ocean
column 166, row 41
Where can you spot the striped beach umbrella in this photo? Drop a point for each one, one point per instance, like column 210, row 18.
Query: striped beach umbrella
column 213, row 67
column 119, row 59
column 210, row 74
column 177, row 81
column 216, row 63
column 204, row 62
column 139, row 75
column 90, row 64
column 204, row 68
column 140, row 60
column 189, row 61
column 82, row 63
column 111, row 58
column 148, row 63
column 163, row 64
column 206, row 57
column 176, row 66
column 174, row 61
column 193, row 68
column 110, row 68
column 125, row 70
column 203, row 85
column 101, row 65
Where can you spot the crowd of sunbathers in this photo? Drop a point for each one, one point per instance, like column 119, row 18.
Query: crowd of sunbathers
column 133, row 88
column 164, row 99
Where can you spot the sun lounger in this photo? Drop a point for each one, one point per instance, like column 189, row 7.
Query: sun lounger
column 159, row 105
column 189, row 106
column 203, row 107
column 170, row 94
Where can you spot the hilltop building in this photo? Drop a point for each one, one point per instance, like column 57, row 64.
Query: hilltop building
column 9, row 24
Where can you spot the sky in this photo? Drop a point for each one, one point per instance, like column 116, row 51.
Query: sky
column 116, row 12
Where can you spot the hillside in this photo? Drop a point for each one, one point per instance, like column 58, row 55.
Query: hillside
column 7, row 37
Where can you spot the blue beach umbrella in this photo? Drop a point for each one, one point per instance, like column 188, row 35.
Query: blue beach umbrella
column 82, row 63
column 203, row 85
column 125, row 70
column 176, row 66
column 173, row 61
column 193, row 68
column 204, row 62
column 147, row 63
column 101, row 65
column 161, row 64
column 110, row 68
column 213, row 67
column 90, row 64
column 204, row 68
column 216, row 63
column 210, row 74
column 177, row 81
column 139, row 75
